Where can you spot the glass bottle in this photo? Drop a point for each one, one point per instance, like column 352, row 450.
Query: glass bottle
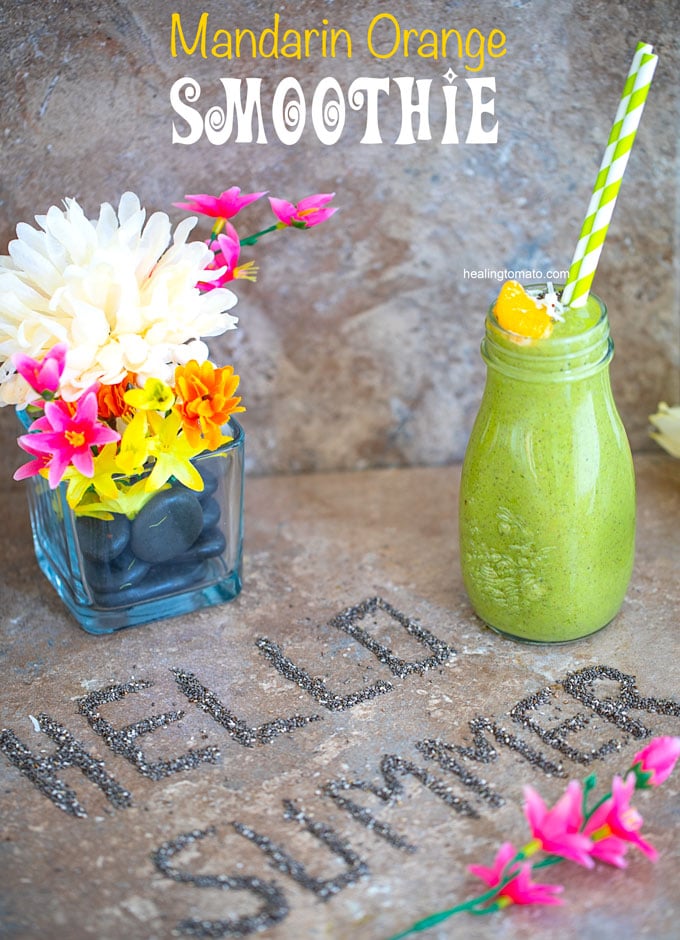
column 547, row 496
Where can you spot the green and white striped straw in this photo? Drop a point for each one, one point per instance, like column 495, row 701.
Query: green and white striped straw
column 608, row 182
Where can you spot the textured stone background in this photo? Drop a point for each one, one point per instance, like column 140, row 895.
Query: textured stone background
column 358, row 346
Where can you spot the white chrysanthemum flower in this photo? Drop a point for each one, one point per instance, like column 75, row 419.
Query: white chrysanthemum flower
column 667, row 428
column 112, row 290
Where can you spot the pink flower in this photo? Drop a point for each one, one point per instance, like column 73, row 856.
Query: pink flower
column 33, row 467
column 67, row 436
column 42, row 376
column 227, row 249
column 308, row 212
column 225, row 206
column 521, row 890
column 654, row 763
column 615, row 824
column 557, row 830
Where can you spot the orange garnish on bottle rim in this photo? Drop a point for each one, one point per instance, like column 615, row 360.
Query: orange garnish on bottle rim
column 519, row 313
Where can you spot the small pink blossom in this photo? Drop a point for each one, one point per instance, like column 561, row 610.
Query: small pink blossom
column 67, row 436
column 33, row 467
column 310, row 211
column 225, row 206
column 615, row 824
column 521, row 889
column 227, row 249
column 656, row 760
column 43, row 376
column 557, row 830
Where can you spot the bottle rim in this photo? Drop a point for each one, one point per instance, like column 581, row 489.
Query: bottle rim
column 534, row 290
column 571, row 356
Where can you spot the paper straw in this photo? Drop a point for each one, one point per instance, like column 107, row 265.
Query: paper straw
column 608, row 182
column 608, row 155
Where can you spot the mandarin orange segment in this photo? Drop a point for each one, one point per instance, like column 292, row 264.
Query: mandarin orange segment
column 519, row 313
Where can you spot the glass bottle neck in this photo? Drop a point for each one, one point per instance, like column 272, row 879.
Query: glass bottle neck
column 576, row 348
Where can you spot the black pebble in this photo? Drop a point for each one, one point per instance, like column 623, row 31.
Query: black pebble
column 161, row 581
column 167, row 526
column 122, row 571
column 210, row 481
column 211, row 512
column 103, row 539
column 210, row 542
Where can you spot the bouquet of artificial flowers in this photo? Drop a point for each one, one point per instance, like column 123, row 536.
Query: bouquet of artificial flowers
column 102, row 343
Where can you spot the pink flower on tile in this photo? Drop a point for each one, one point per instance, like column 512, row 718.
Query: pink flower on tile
column 616, row 824
column 610, row 849
column 42, row 375
column 557, row 830
column 67, row 436
column 310, row 211
column 521, row 889
column 225, row 206
column 654, row 763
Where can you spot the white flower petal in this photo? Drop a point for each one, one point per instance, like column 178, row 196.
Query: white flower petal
column 155, row 239
column 184, row 229
column 128, row 207
column 16, row 391
column 667, row 424
column 44, row 275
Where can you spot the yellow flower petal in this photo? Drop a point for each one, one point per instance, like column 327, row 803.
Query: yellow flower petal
column 154, row 396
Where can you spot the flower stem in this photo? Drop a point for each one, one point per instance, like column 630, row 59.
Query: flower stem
column 437, row 918
column 252, row 239
column 474, row 906
column 547, row 861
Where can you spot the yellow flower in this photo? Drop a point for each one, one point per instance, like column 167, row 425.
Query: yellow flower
column 102, row 481
column 155, row 396
column 129, row 500
column 172, row 452
column 134, row 445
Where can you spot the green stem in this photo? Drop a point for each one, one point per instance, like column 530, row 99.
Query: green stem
column 470, row 905
column 590, row 785
column 599, row 803
column 548, row 861
column 437, row 918
column 252, row 239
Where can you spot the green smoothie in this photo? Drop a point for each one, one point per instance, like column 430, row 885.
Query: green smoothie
column 547, row 500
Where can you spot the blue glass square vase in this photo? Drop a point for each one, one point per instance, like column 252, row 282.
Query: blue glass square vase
column 183, row 551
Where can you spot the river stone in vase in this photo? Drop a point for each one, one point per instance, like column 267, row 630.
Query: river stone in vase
column 211, row 512
column 122, row 571
column 210, row 483
column 103, row 539
column 168, row 578
column 167, row 526
column 209, row 543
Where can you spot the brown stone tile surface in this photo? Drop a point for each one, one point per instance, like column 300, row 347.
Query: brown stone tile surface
column 316, row 546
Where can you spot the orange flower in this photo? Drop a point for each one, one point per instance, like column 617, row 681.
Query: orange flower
column 207, row 401
column 110, row 400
